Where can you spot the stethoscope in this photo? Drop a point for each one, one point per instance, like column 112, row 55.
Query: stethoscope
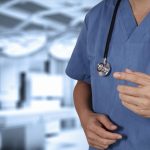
column 104, row 68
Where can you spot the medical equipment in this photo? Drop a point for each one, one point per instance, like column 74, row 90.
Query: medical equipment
column 104, row 68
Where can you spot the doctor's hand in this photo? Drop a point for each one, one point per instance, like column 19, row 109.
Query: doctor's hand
column 99, row 131
column 136, row 99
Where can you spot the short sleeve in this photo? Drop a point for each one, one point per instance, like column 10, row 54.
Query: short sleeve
column 78, row 67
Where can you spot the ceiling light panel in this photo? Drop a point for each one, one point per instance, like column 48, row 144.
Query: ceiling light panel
column 29, row 7
column 8, row 22
column 36, row 27
column 4, row 1
column 58, row 17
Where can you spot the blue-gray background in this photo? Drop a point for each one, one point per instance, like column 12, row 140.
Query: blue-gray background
column 36, row 105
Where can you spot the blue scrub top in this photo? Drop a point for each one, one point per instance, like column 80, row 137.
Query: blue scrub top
column 129, row 48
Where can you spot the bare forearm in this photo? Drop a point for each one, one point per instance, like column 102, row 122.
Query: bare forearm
column 82, row 99
column 91, row 122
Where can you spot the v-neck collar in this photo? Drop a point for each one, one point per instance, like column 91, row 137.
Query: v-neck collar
column 134, row 32
column 127, row 17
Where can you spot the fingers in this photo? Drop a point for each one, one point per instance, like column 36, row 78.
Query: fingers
column 140, row 74
column 131, row 107
column 128, row 90
column 106, row 122
column 95, row 145
column 137, row 101
column 135, row 77
column 97, row 134
column 96, row 141
column 137, row 105
column 137, row 110
column 101, row 132
column 132, row 77
column 130, row 99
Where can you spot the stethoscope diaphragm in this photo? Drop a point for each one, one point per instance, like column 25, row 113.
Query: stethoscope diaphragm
column 104, row 68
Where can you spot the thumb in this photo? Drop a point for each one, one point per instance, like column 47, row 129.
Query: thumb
column 106, row 122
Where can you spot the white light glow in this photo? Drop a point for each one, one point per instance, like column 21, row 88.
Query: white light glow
column 43, row 85
column 62, row 49
column 23, row 45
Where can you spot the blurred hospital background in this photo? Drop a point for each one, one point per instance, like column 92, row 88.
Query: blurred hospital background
column 37, row 38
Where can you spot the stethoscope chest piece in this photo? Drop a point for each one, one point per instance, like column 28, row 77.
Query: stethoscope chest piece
column 104, row 68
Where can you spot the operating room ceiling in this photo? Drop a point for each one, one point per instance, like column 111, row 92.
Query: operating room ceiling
column 49, row 16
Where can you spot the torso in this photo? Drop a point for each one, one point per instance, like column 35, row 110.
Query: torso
column 130, row 48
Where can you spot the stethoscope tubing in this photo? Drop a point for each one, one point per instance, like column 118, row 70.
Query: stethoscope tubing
column 104, row 67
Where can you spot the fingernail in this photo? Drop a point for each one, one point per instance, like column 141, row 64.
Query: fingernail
column 113, row 127
column 117, row 75
column 119, row 137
